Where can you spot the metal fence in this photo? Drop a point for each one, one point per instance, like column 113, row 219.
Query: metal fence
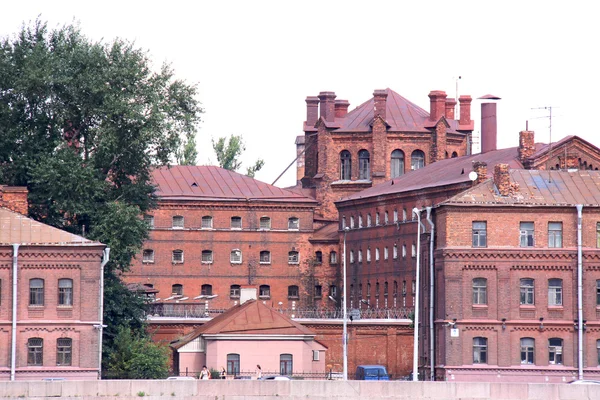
column 200, row 311
column 266, row 375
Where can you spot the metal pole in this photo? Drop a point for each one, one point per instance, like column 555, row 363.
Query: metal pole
column 417, row 212
column 345, row 322
column 579, row 293
column 431, row 298
column 15, row 291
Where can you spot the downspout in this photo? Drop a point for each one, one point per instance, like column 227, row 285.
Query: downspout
column 415, row 372
column 579, row 293
column 13, row 344
column 105, row 258
column 431, row 294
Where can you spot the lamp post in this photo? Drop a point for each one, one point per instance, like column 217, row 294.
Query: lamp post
column 345, row 316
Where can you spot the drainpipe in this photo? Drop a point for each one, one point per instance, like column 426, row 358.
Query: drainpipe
column 431, row 294
column 579, row 293
column 105, row 258
column 417, row 212
column 13, row 345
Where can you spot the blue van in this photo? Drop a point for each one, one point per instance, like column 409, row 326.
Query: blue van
column 371, row 373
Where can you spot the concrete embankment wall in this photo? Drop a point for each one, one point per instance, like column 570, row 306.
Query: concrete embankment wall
column 293, row 390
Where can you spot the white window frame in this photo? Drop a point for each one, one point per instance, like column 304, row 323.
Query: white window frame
column 293, row 257
column 148, row 256
column 206, row 222
column 233, row 260
column 175, row 256
column 293, row 224
column 210, row 254
column 267, row 259
column 265, row 223
column 235, row 227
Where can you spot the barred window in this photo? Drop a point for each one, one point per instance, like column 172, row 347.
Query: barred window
column 148, row 256
column 207, row 257
column 264, row 291
column 177, row 290
column 236, row 222
column 207, row 222
column 265, row 257
column 177, row 256
column 236, row 256
column 293, row 224
column 64, row 350
column 293, row 257
column 206, row 290
column 265, row 223
column 35, row 351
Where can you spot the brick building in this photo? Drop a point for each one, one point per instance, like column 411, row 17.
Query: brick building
column 54, row 328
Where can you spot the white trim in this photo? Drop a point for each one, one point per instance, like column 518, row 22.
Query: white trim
column 233, row 336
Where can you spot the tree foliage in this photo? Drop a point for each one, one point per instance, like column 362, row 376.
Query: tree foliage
column 229, row 151
column 82, row 124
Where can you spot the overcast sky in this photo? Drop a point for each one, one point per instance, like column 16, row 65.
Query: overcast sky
column 256, row 61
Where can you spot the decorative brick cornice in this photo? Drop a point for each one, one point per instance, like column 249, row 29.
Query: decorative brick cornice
column 67, row 254
column 541, row 267
column 479, row 267
column 496, row 254
column 253, row 206
column 48, row 329
column 535, row 327
column 480, row 328
column 50, row 266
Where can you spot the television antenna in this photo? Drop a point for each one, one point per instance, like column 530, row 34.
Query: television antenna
column 549, row 108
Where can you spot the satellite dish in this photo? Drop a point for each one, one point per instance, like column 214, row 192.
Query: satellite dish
column 473, row 176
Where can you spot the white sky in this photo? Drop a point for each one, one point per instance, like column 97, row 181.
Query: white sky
column 256, row 61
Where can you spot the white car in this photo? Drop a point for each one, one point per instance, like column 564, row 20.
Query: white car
column 585, row 382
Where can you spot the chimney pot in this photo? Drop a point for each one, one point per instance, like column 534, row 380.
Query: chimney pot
column 450, row 105
column 480, row 168
column 327, row 106
column 465, row 110
column 312, row 111
column 489, row 127
column 437, row 104
column 526, row 145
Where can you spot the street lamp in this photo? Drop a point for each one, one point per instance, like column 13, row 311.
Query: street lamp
column 345, row 316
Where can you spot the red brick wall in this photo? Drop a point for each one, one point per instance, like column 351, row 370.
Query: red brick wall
column 14, row 198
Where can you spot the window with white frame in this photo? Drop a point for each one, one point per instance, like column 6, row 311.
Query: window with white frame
column 404, row 214
column 293, row 224
column 395, row 215
column 264, row 291
column 265, row 257
column 236, row 256
column 65, row 292
column 479, row 233
column 555, row 351
column 207, row 257
column 413, row 252
column 364, row 162
column 148, row 256
column 386, row 217
column 395, row 251
column 236, row 222
column 178, row 222
column 385, row 253
column 368, row 220
column 352, row 222
column 293, row 257
column 376, row 253
column 397, row 163
column 555, row 235
column 333, row 258
column 359, row 256
column 526, row 230
column 480, row 291
column 377, row 218
column 64, row 351
column 177, row 256
column 149, row 220
column 403, row 251
column 417, row 160
column 555, row 295
column 360, row 221
column 207, row 222
column 527, row 291
column 36, row 292
column 527, row 351
column 265, row 223
column 479, row 350
column 368, row 255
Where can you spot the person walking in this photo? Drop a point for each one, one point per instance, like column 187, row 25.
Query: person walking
column 258, row 371
column 205, row 373
column 223, row 373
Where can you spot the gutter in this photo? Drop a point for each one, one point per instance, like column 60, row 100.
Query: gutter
column 105, row 258
column 579, row 293
column 13, row 345
column 415, row 372
column 431, row 294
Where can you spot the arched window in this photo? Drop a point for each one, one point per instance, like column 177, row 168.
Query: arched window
column 333, row 258
column 177, row 256
column 286, row 364
column 177, row 289
column 236, row 256
column 364, row 162
column 345, row 165
column 236, row 222
column 35, row 351
column 206, row 290
column 265, row 223
column 207, row 222
column 527, row 351
column 368, row 220
column 148, row 256
column 377, row 289
column 318, row 257
column 293, row 224
column 454, row 154
column 265, row 257
column 233, row 364
column 479, row 350
column 36, row 292
column 368, row 289
column 397, row 165
column 293, row 292
column 65, row 292
column 234, row 291
column 417, row 160
column 264, row 291
column 395, row 288
column 385, row 289
column 64, row 350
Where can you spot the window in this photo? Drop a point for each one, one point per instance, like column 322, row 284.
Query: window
column 333, row 258
column 148, row 256
column 395, row 251
column 480, row 291
column 555, row 346
column 293, row 224
column 360, row 290
column 178, row 222
column 364, row 165
column 479, row 233
column 333, row 291
column 403, row 251
column 403, row 288
column 414, row 287
column 236, row 222
column 206, row 290
column 207, row 222
column 598, row 292
column 35, row 350
column 177, row 290
column 293, row 292
column 315, row 356
column 265, row 257
column 351, row 256
column 368, row 289
column 413, row 250
column 265, row 223
column 286, row 364
column 233, row 364
column 395, row 215
column 234, row 291
column 351, row 222
column 359, row 256
column 386, row 217
column 149, row 220
column 404, row 214
column 376, row 253
column 360, row 224
column 236, row 256
column 368, row 220
column 526, row 234
column 36, row 292
column 527, row 290
column 397, row 165
column 368, row 255
column 598, row 235
column 479, row 350
column 385, row 253
column 395, row 288
column 385, row 289
column 345, row 165
column 293, row 257
column 527, row 351
column 318, row 291
column 555, row 292
column 417, row 160
column 377, row 219
column 318, row 257
column 64, row 349
column 207, row 257
column 264, row 291
column 598, row 350
column 65, row 292
column 555, row 234
column 177, row 256
column 377, row 289
column 343, row 222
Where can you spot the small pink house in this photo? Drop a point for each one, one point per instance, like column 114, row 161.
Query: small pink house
column 248, row 335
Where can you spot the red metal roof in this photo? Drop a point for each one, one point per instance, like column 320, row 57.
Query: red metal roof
column 537, row 188
column 17, row 228
column 213, row 183
column 327, row 233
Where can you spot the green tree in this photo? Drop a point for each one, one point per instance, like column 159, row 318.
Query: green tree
column 82, row 124
column 189, row 154
column 229, row 152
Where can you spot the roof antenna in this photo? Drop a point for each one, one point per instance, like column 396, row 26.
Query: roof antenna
column 549, row 108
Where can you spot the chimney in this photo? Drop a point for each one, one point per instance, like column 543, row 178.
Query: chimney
column 465, row 110
column 526, row 145
column 502, row 179
column 327, row 106
column 480, row 169
column 437, row 104
column 380, row 98
column 312, row 111
column 450, row 104
column 341, row 108
column 14, row 198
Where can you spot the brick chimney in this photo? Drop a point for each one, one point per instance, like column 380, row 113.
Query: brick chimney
column 502, row 179
column 480, row 169
column 312, row 111
column 14, row 198
column 380, row 97
column 437, row 104
column 489, row 127
column 465, row 109
column 450, row 104
column 341, row 108
column 526, row 145
column 327, row 106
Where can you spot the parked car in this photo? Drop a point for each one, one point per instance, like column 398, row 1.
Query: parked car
column 275, row 378
column 181, row 378
column 585, row 382
column 371, row 373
